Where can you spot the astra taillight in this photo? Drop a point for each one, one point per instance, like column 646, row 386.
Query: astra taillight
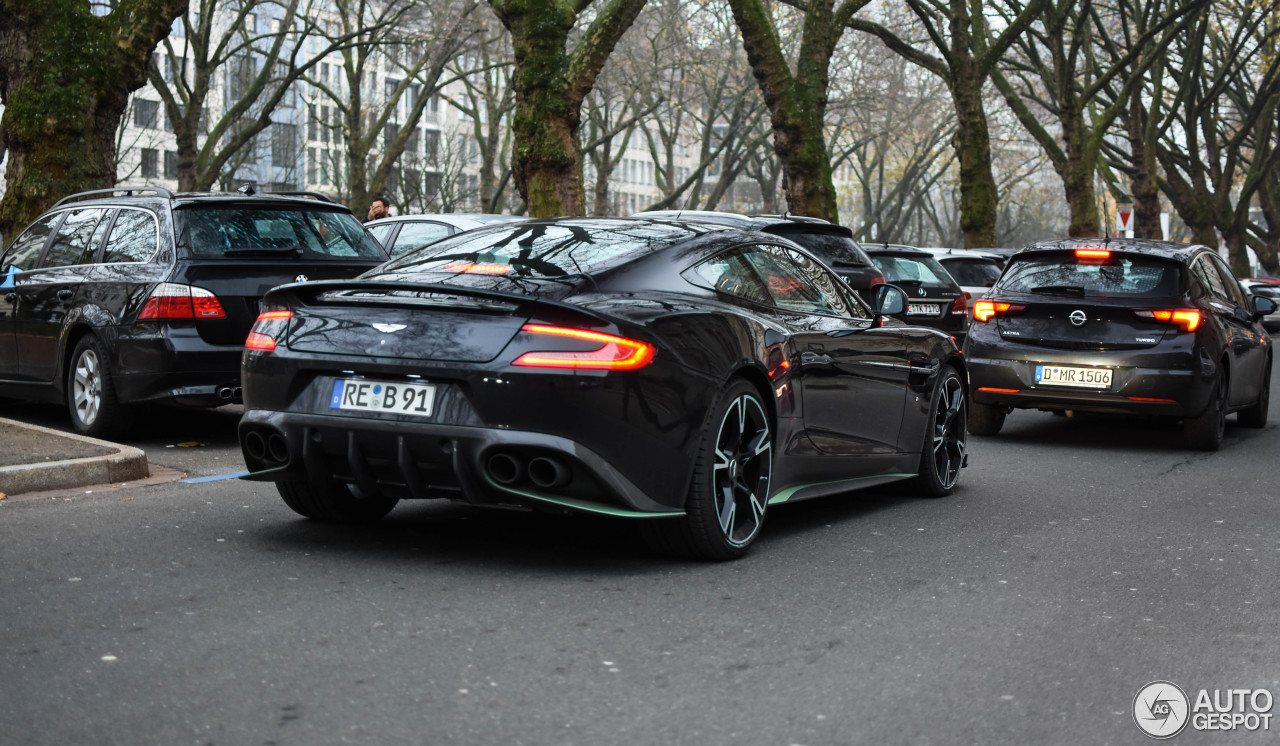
column 984, row 310
column 268, row 328
column 613, row 353
column 173, row 301
column 1187, row 318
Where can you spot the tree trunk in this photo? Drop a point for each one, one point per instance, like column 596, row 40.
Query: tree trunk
column 65, row 78
column 1146, row 192
column 979, row 196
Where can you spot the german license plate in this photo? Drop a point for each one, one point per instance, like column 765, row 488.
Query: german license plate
column 1057, row 375
column 923, row 309
column 395, row 397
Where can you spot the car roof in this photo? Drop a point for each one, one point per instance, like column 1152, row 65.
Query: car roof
column 895, row 248
column 456, row 219
column 1152, row 247
column 750, row 222
column 945, row 253
column 157, row 196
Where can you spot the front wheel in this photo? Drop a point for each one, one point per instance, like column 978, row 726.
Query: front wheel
column 91, row 393
column 725, row 505
column 333, row 502
column 943, row 453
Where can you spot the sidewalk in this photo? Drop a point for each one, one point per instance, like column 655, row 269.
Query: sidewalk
column 34, row 459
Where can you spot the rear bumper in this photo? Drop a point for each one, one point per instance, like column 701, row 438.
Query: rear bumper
column 158, row 362
column 434, row 460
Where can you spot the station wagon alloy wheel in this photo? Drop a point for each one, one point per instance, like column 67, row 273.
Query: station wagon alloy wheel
column 86, row 386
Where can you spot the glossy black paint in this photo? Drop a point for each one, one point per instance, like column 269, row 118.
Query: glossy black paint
column 1157, row 368
column 943, row 293
column 849, row 396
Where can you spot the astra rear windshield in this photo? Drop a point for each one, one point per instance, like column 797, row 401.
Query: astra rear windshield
column 538, row 249
column 1067, row 275
column 239, row 232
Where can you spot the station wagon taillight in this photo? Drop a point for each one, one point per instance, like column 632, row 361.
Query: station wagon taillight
column 614, row 353
column 984, row 310
column 173, row 301
column 1187, row 318
column 961, row 304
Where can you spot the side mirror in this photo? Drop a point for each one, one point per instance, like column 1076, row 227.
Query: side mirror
column 1262, row 306
column 889, row 300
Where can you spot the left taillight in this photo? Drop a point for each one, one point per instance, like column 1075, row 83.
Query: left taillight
column 961, row 304
column 611, row 352
column 267, row 330
column 1187, row 318
column 170, row 300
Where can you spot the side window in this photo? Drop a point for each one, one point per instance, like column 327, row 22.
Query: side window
column 1229, row 282
column 132, row 238
column 729, row 273
column 1210, row 278
column 791, row 287
column 380, row 232
column 832, row 289
column 73, row 244
column 24, row 252
column 416, row 235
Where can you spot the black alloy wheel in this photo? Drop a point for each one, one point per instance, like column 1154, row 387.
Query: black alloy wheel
column 1256, row 415
column 91, row 392
column 943, row 454
column 333, row 502
column 729, row 492
column 1204, row 432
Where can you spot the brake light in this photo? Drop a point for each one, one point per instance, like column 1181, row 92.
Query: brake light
column 961, row 304
column 614, row 353
column 984, row 309
column 877, row 280
column 1095, row 254
column 1187, row 318
column 173, row 301
column 477, row 268
column 268, row 327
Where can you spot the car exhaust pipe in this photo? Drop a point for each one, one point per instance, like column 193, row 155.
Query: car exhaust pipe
column 224, row 393
column 505, row 468
column 278, row 447
column 549, row 473
column 236, row 392
column 254, row 445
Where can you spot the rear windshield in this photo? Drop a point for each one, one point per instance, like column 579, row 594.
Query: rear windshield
column 1118, row 276
column 248, row 232
column 980, row 272
column 912, row 270
column 830, row 249
column 536, row 249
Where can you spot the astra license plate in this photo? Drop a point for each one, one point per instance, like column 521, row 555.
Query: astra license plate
column 923, row 309
column 1056, row 375
column 383, row 396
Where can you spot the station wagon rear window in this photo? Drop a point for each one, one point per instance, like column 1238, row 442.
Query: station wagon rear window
column 240, row 232
column 1128, row 276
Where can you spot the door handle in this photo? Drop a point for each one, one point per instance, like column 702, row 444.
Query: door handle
column 814, row 358
column 65, row 294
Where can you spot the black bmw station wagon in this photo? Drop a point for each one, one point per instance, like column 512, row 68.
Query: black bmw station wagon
column 1121, row 326
column 120, row 296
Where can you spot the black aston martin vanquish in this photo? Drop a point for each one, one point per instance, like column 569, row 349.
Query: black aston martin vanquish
column 687, row 374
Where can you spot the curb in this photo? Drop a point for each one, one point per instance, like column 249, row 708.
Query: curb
column 126, row 464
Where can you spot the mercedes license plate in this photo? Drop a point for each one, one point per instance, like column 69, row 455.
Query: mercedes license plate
column 383, row 396
column 923, row 309
column 1057, row 375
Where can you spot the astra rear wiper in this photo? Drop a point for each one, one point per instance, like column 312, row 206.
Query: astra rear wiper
column 294, row 250
column 1073, row 290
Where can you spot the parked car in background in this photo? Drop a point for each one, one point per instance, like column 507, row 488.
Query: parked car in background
column 833, row 244
column 1125, row 326
column 936, row 299
column 404, row 233
column 1265, row 290
column 556, row 364
column 974, row 270
column 120, row 296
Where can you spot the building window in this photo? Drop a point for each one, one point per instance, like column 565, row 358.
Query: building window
column 312, row 171
column 146, row 114
column 283, row 144
column 150, row 163
column 170, row 164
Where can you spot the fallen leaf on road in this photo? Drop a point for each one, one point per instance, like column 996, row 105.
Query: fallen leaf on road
column 191, row 444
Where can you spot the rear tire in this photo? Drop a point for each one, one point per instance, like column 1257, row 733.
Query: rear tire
column 1204, row 432
column 985, row 419
column 942, row 454
column 333, row 502
column 729, row 492
column 91, row 393
column 1256, row 415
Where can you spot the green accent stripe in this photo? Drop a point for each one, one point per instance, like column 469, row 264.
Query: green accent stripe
column 592, row 507
column 785, row 495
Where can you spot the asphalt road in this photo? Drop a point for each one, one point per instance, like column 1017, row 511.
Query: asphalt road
column 1079, row 560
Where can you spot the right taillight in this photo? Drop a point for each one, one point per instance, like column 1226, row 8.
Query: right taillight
column 269, row 327
column 173, row 301
column 984, row 310
column 1187, row 318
